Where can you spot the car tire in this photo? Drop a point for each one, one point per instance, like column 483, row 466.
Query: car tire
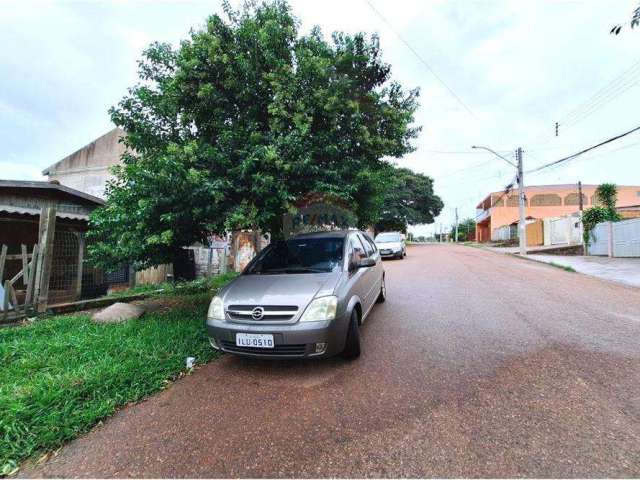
column 352, row 346
column 382, row 296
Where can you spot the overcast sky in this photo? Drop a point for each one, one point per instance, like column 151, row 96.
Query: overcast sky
column 516, row 68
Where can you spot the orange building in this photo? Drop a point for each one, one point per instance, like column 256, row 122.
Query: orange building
column 542, row 201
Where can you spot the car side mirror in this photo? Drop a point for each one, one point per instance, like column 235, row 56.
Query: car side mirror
column 353, row 265
column 366, row 262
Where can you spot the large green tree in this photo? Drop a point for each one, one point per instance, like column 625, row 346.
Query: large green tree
column 244, row 117
column 409, row 200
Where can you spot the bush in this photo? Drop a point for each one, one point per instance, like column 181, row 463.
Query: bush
column 606, row 193
column 200, row 285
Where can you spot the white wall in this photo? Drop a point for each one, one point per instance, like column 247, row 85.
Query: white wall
column 626, row 238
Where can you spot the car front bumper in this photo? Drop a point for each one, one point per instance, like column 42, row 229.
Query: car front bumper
column 390, row 253
column 296, row 340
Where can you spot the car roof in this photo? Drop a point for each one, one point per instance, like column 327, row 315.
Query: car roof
column 327, row 234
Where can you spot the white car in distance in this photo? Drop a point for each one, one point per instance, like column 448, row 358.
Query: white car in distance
column 391, row 245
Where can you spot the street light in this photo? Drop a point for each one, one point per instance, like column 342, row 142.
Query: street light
column 495, row 153
column 522, row 226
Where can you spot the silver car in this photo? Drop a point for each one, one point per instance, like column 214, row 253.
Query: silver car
column 391, row 245
column 303, row 297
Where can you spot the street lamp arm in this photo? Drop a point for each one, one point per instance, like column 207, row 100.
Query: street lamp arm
column 496, row 154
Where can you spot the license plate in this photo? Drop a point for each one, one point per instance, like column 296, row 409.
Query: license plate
column 385, row 252
column 254, row 340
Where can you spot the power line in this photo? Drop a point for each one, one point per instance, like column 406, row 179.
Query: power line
column 461, row 170
column 506, row 192
column 613, row 89
column 570, row 157
column 419, row 57
column 609, row 92
column 597, row 155
column 471, row 167
column 594, row 107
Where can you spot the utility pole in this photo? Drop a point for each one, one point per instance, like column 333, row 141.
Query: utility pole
column 456, row 237
column 522, row 225
column 580, row 196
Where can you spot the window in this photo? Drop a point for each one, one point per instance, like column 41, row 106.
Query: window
column 357, row 247
column 388, row 237
column 546, row 200
column 367, row 246
column 300, row 255
column 512, row 201
column 574, row 199
column 371, row 242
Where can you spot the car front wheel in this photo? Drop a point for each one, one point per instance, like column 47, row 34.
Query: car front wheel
column 352, row 346
column 382, row 296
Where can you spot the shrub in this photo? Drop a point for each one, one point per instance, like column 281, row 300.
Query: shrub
column 607, row 194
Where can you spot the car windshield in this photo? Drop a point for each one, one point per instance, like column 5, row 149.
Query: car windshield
column 300, row 255
column 388, row 237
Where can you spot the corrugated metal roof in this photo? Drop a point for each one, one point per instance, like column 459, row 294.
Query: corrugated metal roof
column 52, row 187
column 35, row 211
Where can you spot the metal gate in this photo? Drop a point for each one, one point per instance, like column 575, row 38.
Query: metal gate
column 558, row 231
column 626, row 238
column 599, row 240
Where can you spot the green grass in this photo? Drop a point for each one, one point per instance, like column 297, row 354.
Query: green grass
column 200, row 285
column 61, row 376
column 566, row 268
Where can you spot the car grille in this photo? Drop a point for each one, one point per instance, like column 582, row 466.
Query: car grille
column 284, row 350
column 277, row 313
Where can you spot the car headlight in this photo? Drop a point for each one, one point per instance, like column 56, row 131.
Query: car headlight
column 323, row 308
column 216, row 309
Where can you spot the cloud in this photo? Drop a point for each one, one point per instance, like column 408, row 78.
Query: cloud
column 519, row 66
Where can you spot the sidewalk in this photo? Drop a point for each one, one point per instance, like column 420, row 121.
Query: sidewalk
column 620, row 270
column 538, row 249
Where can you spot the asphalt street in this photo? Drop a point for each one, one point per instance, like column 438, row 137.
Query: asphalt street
column 478, row 364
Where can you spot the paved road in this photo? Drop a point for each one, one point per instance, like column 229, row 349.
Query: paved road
column 478, row 365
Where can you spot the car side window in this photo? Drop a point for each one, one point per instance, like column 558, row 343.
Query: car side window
column 371, row 242
column 358, row 249
column 367, row 246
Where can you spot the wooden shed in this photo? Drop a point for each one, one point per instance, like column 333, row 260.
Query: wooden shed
column 42, row 246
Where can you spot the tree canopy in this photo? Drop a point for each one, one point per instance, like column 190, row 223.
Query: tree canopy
column 635, row 21
column 409, row 199
column 243, row 117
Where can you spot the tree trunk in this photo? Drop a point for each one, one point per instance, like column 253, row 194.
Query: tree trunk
column 276, row 228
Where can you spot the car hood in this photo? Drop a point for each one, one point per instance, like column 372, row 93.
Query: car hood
column 393, row 245
column 285, row 289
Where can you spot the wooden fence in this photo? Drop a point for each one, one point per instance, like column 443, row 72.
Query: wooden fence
column 535, row 233
column 12, row 305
